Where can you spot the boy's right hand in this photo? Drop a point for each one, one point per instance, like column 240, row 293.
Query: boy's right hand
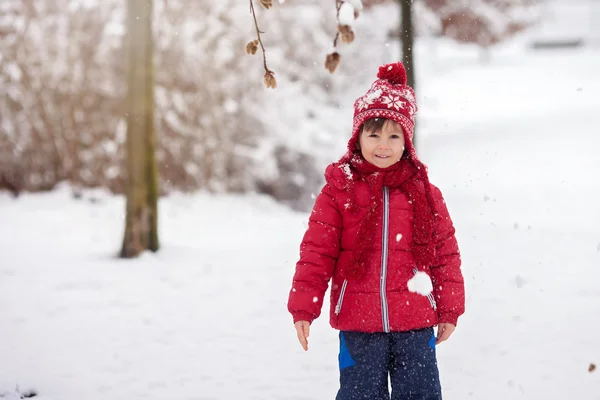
column 303, row 330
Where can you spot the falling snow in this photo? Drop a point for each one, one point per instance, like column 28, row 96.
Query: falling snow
column 77, row 323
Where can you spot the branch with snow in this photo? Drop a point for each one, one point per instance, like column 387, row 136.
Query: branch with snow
column 347, row 12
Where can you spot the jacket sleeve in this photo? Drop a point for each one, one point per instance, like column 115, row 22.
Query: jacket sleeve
column 448, row 282
column 319, row 251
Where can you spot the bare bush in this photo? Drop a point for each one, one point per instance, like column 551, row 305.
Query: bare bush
column 483, row 22
column 59, row 98
column 62, row 110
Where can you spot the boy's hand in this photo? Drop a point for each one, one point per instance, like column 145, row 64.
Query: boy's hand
column 303, row 330
column 444, row 331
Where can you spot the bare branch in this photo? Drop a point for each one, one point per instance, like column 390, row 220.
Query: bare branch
column 269, row 79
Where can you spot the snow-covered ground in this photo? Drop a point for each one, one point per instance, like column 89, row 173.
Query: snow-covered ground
column 514, row 147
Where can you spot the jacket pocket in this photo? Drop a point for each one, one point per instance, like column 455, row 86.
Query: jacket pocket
column 338, row 306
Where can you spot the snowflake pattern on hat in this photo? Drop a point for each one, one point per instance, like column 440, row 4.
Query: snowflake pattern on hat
column 389, row 93
column 365, row 101
column 393, row 101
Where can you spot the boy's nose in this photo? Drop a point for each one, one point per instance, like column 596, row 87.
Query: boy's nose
column 383, row 145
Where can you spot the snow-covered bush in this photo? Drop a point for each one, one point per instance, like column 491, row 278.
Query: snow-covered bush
column 62, row 102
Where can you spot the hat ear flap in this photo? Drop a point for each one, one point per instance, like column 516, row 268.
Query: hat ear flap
column 357, row 139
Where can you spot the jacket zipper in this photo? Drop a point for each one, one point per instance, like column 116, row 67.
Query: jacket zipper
column 384, row 259
column 338, row 306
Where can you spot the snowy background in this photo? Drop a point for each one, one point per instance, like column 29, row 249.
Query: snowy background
column 513, row 144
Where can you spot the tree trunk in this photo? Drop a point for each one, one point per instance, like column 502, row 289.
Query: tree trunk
column 407, row 40
column 141, row 221
column 407, row 36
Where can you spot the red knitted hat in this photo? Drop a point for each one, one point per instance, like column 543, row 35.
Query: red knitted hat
column 391, row 98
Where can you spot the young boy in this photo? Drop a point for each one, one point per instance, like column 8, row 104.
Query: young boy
column 382, row 234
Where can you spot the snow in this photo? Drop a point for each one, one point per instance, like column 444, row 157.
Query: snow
column 420, row 283
column 560, row 15
column 346, row 14
column 510, row 142
column 347, row 171
column 357, row 4
column 10, row 395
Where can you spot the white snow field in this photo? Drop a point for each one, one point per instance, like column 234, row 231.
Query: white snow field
column 513, row 144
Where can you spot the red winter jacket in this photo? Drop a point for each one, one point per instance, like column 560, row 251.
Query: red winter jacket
column 380, row 301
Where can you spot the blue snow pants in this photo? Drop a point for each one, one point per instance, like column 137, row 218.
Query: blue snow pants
column 407, row 359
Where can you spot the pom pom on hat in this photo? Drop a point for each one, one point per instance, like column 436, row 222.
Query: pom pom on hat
column 393, row 73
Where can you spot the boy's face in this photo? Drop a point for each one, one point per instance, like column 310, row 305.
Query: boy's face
column 385, row 147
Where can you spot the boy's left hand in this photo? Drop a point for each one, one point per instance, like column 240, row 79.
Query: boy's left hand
column 444, row 331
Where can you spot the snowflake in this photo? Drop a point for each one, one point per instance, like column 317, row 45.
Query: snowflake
column 408, row 95
column 393, row 102
column 362, row 104
column 373, row 95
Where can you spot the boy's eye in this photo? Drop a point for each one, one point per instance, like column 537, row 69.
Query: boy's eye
column 395, row 137
column 373, row 135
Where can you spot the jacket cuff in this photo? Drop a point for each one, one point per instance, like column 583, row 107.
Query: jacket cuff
column 303, row 316
column 448, row 318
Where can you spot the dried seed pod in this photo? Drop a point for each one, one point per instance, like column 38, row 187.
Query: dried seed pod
column 346, row 33
column 269, row 80
column 332, row 61
column 252, row 47
column 266, row 3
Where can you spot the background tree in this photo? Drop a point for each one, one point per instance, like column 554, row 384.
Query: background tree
column 141, row 220
column 408, row 40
